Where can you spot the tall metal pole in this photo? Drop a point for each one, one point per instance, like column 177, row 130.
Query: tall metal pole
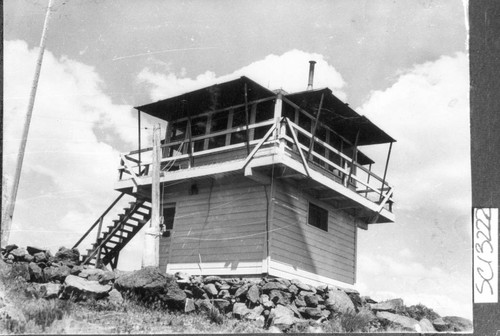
column 11, row 202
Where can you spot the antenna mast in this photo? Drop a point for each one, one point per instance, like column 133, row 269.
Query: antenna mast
column 11, row 201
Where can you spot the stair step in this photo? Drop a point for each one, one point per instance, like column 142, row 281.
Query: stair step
column 142, row 213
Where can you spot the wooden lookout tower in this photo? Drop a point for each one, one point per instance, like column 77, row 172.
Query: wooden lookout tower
column 254, row 182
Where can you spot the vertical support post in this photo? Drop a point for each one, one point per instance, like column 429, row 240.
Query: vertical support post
column 247, row 133
column 278, row 107
column 99, row 228
column 368, row 179
column 139, row 138
column 189, row 136
column 385, row 171
column 151, row 254
column 313, row 133
column 354, row 158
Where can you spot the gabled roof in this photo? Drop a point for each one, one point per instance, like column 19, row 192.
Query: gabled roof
column 211, row 98
column 340, row 117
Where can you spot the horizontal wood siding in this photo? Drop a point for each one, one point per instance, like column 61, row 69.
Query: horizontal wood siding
column 164, row 246
column 329, row 254
column 224, row 224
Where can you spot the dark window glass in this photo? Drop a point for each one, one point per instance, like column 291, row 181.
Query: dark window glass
column 318, row 217
column 239, row 118
column 216, row 142
column 168, row 218
column 198, row 126
column 305, row 122
column 265, row 111
column 179, row 130
column 289, row 112
column 238, row 137
column 219, row 122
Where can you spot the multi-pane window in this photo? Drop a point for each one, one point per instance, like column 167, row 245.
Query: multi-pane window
column 318, row 217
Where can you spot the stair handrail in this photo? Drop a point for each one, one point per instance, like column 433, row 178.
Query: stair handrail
column 112, row 232
column 99, row 219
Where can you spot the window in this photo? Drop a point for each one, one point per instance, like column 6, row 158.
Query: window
column 318, row 217
column 168, row 219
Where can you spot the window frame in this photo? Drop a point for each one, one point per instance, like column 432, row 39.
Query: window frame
column 322, row 215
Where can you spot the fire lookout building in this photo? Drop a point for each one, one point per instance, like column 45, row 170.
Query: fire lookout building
column 255, row 182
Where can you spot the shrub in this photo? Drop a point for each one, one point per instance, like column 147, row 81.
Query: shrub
column 418, row 312
column 45, row 312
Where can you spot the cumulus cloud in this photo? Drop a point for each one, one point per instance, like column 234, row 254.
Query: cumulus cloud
column 288, row 71
column 69, row 167
column 427, row 111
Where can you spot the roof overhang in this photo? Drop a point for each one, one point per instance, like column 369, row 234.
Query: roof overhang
column 338, row 116
column 211, row 98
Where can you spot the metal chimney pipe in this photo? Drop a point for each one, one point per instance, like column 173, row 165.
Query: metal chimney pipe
column 311, row 75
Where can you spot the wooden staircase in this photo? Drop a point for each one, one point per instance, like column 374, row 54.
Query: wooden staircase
column 106, row 249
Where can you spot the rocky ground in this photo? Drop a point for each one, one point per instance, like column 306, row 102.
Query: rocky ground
column 268, row 304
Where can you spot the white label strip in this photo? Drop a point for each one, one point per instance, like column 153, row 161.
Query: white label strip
column 485, row 246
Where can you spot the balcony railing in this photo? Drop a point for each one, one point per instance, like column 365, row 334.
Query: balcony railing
column 329, row 161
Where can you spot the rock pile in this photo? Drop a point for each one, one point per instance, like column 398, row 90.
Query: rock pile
column 271, row 302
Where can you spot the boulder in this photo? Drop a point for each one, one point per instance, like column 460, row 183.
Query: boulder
column 439, row 324
column 389, row 306
column 314, row 313
column 182, row 278
column 253, row 294
column 339, row 301
column 18, row 254
column 106, row 277
column 311, row 300
column 356, row 299
column 50, row 290
column 266, row 302
column 221, row 304
column 69, row 255
column 36, row 273
column 268, row 287
column 53, row 273
column 174, row 296
column 189, row 306
column 367, row 299
column 280, row 297
column 147, row 281
column 210, row 289
column 283, row 281
column 92, row 274
column 300, row 285
column 254, row 313
column 426, row 326
column 34, row 250
column 293, row 289
column 403, row 321
column 76, row 270
column 82, row 289
column 240, row 310
column 282, row 316
column 456, row 323
column 212, row 279
column 204, row 305
column 241, row 291
column 115, row 297
column 224, row 294
column 10, row 248
column 300, row 302
column 28, row 257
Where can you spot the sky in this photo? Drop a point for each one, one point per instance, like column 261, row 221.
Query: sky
column 403, row 64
